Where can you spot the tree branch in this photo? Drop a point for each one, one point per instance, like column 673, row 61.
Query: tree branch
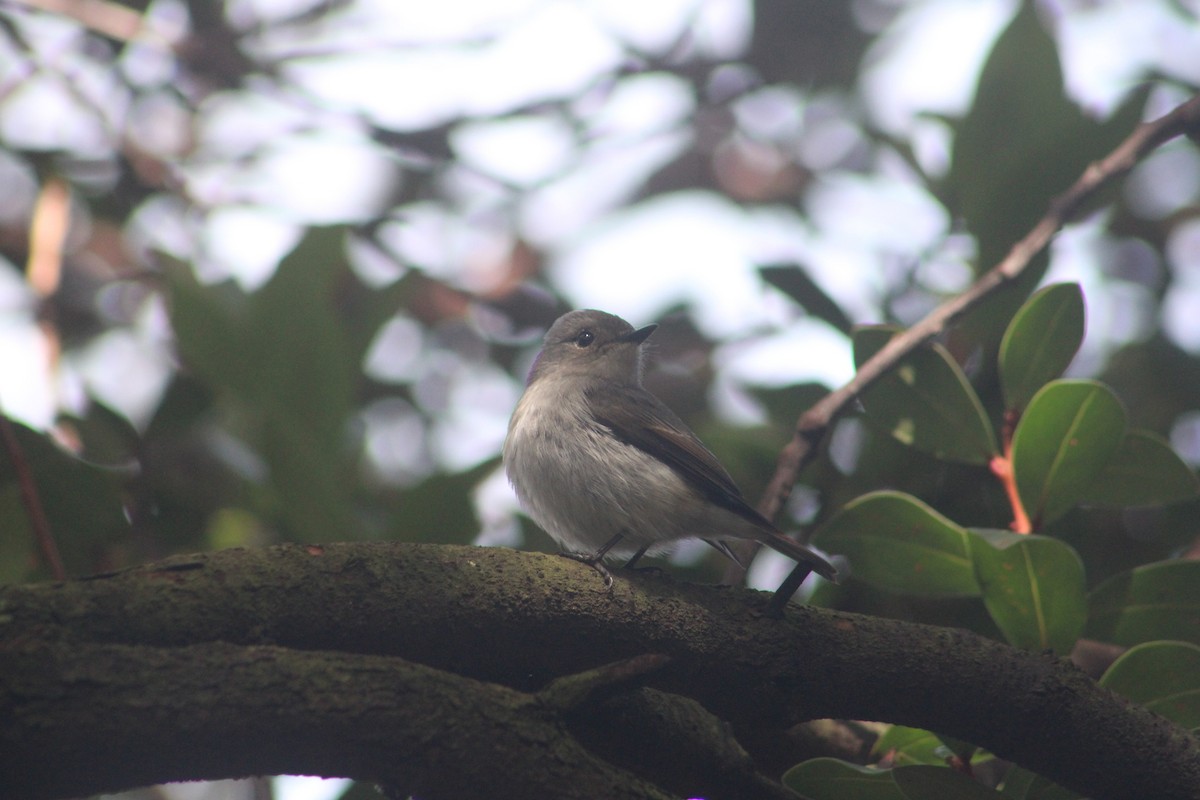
column 101, row 717
column 519, row 620
column 814, row 423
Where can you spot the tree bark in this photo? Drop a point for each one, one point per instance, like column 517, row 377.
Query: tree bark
column 432, row 668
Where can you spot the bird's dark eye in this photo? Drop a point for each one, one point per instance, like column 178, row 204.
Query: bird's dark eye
column 584, row 338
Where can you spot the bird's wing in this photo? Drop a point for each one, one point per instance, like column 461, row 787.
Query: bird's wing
column 654, row 429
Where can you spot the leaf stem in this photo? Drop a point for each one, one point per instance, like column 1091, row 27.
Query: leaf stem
column 1002, row 467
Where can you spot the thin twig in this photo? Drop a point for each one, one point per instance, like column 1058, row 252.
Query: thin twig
column 43, row 272
column 108, row 19
column 815, row 423
column 31, row 500
column 48, row 229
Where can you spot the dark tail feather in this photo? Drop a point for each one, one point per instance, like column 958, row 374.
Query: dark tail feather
column 789, row 547
column 801, row 553
column 726, row 551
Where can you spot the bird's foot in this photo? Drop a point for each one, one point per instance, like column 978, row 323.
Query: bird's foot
column 596, row 562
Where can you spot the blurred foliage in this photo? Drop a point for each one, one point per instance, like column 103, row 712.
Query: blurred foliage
column 275, row 421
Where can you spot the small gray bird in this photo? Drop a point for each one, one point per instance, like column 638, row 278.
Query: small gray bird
column 607, row 469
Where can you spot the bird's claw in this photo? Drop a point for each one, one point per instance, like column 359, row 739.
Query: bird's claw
column 595, row 562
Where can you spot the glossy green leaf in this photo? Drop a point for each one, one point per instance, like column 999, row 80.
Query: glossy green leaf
column 1040, row 342
column 1163, row 676
column 1145, row 471
column 1033, row 588
column 924, row 782
column 926, row 402
column 896, row 542
column 1064, row 441
column 1155, row 601
column 1020, row 81
column 833, row 779
column 909, row 746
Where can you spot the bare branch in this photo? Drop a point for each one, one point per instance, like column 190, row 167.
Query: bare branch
column 815, row 423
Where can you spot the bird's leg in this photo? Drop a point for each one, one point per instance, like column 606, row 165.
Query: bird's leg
column 596, row 560
column 783, row 595
column 629, row 564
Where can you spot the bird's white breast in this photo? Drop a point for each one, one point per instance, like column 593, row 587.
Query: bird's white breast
column 582, row 485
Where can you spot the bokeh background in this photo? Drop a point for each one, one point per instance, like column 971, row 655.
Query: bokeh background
column 274, row 270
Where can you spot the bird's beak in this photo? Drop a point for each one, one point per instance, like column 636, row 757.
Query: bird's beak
column 638, row 336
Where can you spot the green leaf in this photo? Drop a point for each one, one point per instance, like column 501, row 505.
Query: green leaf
column 1022, row 784
column 82, row 503
column 1020, row 144
column 909, row 746
column 185, row 403
column 438, row 509
column 283, row 357
column 360, row 790
column 305, row 384
column 896, row 542
column 786, row 402
column 365, row 310
column 209, row 325
column 1145, row 471
column 1064, row 441
column 832, row 779
column 1162, row 676
column 923, row 782
column 304, row 362
column 1033, row 588
column 926, row 401
column 964, row 750
column 1155, row 601
column 1023, row 140
column 18, row 554
column 1040, row 342
column 794, row 281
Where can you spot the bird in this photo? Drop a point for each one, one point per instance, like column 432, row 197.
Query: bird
column 607, row 469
